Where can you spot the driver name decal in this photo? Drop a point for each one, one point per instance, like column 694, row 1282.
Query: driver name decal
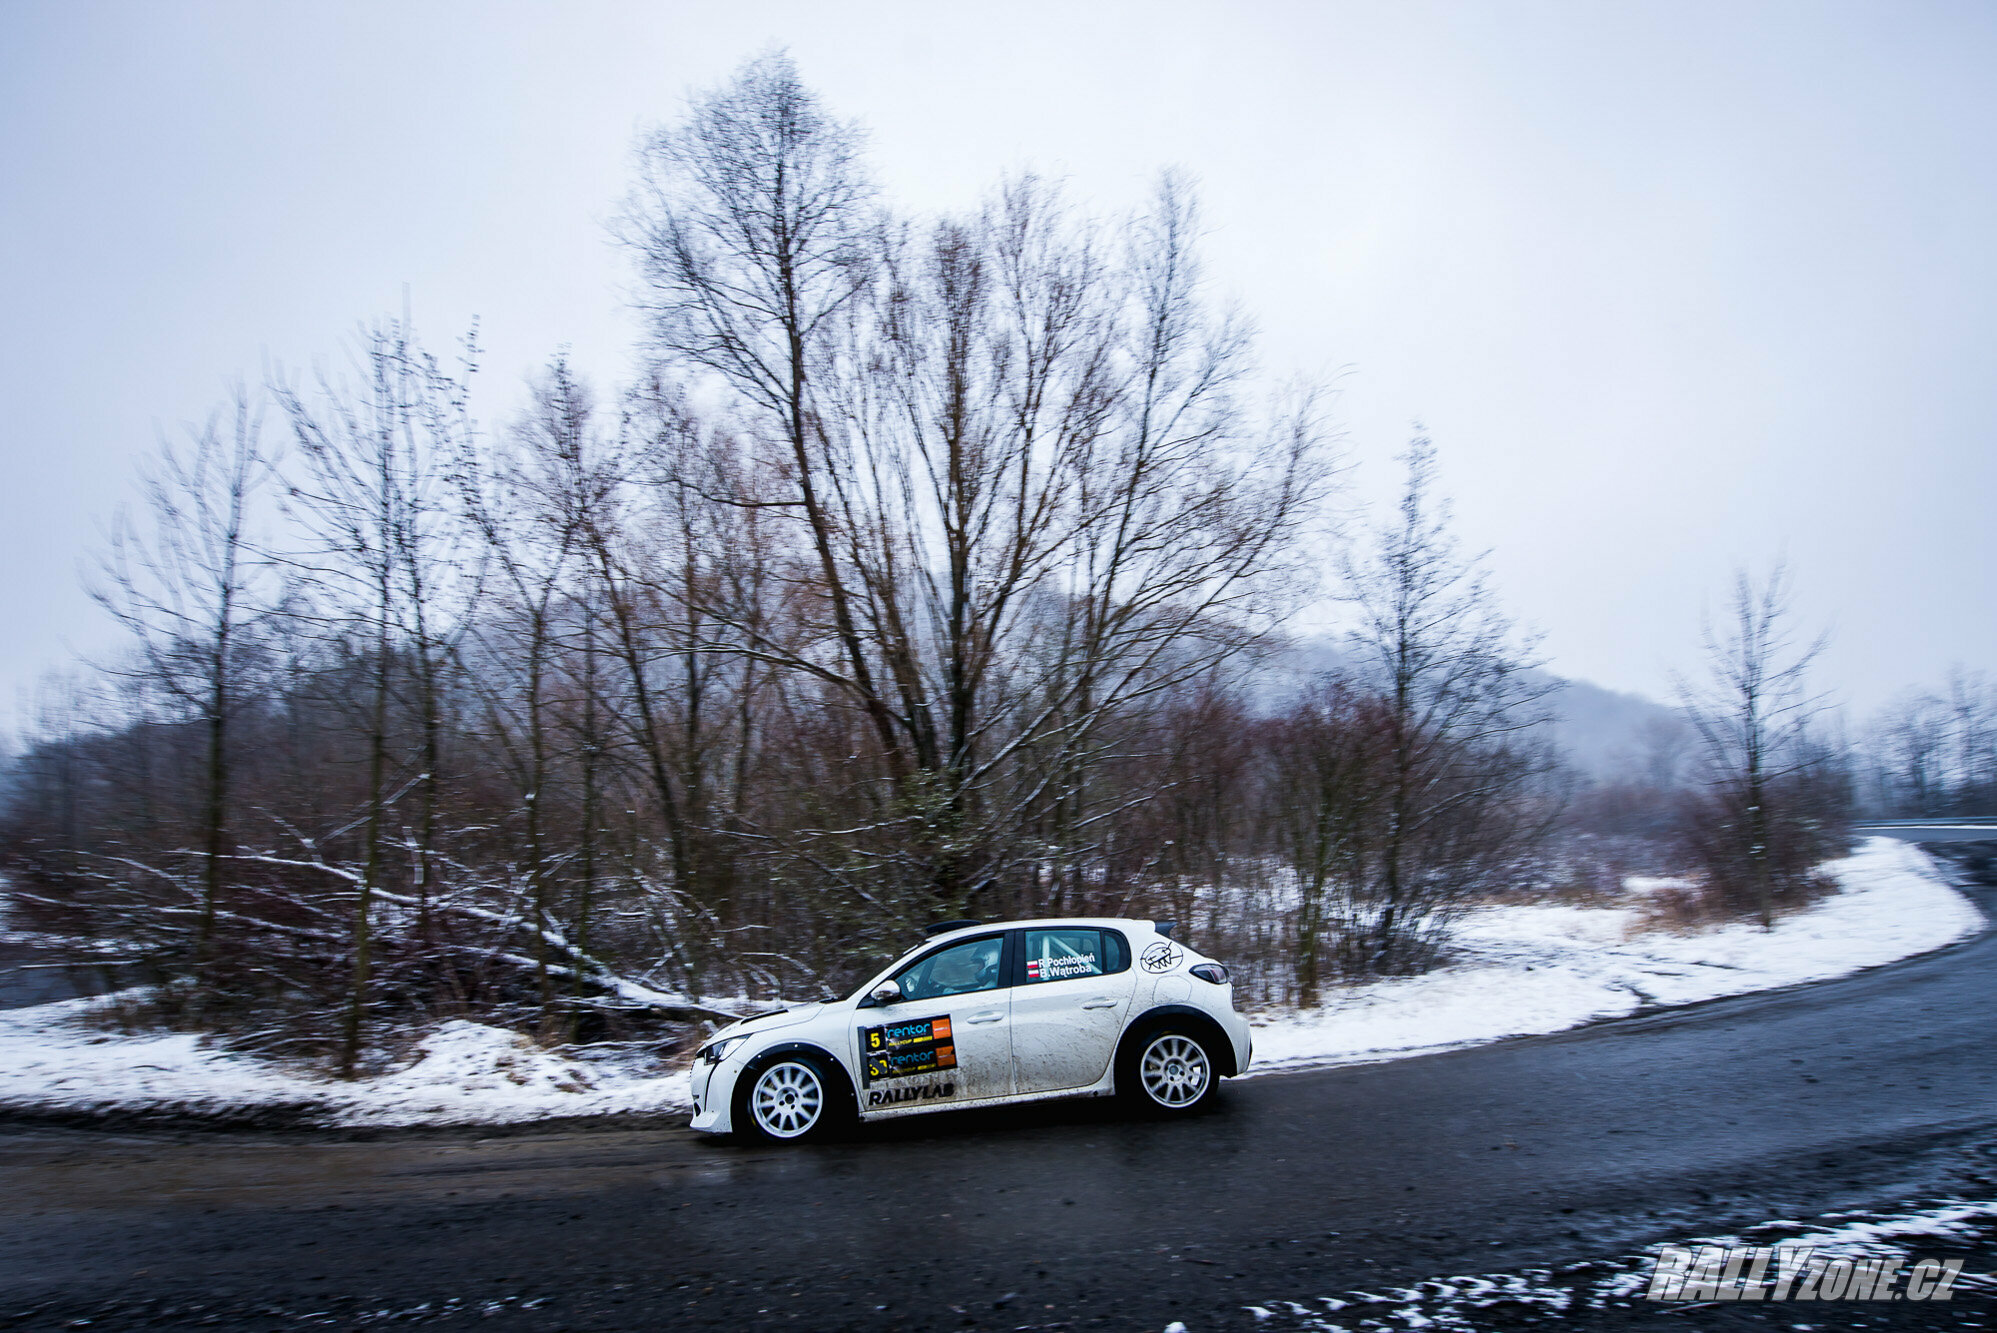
column 1053, row 969
column 899, row 1050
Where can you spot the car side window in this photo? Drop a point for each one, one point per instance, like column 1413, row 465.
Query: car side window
column 1071, row 951
column 957, row 970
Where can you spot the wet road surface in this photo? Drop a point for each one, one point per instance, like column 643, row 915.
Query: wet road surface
column 1879, row 1087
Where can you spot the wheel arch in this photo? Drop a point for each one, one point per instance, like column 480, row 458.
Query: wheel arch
column 762, row 1060
column 1220, row 1048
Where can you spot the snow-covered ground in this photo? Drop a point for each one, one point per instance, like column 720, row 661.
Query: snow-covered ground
column 54, row 1059
column 1545, row 967
column 1520, row 970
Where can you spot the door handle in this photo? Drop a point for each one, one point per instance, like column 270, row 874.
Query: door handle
column 988, row 1016
column 1099, row 1002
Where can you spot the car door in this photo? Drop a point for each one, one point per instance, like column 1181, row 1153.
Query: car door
column 1072, row 991
column 949, row 1038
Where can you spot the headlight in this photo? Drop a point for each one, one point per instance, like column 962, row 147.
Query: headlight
column 716, row 1052
column 1213, row 972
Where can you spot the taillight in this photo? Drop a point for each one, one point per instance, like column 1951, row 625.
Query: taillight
column 1213, row 972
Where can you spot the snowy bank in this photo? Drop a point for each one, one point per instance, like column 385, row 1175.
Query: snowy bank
column 55, row 1060
column 1544, row 967
column 1521, row 970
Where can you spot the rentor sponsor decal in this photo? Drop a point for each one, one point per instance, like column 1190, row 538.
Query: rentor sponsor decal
column 900, row 1050
column 897, row 1036
column 903, row 1064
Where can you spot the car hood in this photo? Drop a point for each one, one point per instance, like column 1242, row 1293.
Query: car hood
column 782, row 1018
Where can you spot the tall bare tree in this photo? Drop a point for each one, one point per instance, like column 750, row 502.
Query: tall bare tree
column 1458, row 707
column 185, row 584
column 1911, row 743
column 1325, row 757
column 1972, row 705
column 1935, row 752
column 376, row 501
column 1773, row 811
column 1011, row 448
column 754, row 230
column 533, row 504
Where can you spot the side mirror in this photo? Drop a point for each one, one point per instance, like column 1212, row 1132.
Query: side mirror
column 888, row 992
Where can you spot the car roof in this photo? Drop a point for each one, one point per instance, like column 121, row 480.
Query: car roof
column 1051, row 922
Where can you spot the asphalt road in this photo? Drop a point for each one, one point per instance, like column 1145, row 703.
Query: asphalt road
column 1542, row 1150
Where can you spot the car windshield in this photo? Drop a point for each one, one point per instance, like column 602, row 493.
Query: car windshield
column 867, row 987
column 970, row 966
column 957, row 970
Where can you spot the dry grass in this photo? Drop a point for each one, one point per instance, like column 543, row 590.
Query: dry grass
column 1700, row 905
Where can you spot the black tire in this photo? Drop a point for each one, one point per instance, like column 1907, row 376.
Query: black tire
column 1166, row 1070
column 791, row 1097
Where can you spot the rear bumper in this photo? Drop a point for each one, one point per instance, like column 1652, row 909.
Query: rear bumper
column 1243, row 1038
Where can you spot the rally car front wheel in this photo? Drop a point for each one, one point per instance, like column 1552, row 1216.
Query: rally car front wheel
column 788, row 1099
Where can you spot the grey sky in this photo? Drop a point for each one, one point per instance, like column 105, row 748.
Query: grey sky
column 1672, row 286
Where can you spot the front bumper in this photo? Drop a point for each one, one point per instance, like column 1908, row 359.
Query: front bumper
column 713, row 1093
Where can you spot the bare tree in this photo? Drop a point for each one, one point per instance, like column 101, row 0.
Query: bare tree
column 1194, row 515
column 376, row 500
column 532, row 505
column 1772, row 812
column 1325, row 757
column 185, row 585
column 1911, row 743
column 1011, row 448
column 1972, row 705
column 753, row 227
column 1935, row 752
column 1458, row 705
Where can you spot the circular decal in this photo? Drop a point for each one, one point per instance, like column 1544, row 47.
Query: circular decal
column 1161, row 957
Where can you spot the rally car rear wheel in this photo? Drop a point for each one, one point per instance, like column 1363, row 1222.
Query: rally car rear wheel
column 788, row 1099
column 1167, row 1072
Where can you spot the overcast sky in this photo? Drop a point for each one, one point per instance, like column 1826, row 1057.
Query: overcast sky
column 1673, row 287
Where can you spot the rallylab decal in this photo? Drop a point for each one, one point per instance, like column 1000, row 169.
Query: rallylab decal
column 1054, row 969
column 894, row 1096
column 899, row 1050
column 1161, row 957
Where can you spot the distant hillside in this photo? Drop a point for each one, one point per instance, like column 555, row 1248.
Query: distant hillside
column 1605, row 734
column 1609, row 735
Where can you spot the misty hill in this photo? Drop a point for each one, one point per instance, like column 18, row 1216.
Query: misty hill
column 1605, row 734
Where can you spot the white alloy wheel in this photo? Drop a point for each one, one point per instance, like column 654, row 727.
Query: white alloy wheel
column 1174, row 1071
column 788, row 1099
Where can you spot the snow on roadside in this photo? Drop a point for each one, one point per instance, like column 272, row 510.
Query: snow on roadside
column 1543, row 967
column 53, row 1060
column 1524, row 969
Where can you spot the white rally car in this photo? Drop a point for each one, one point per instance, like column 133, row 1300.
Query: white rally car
column 985, row 1015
